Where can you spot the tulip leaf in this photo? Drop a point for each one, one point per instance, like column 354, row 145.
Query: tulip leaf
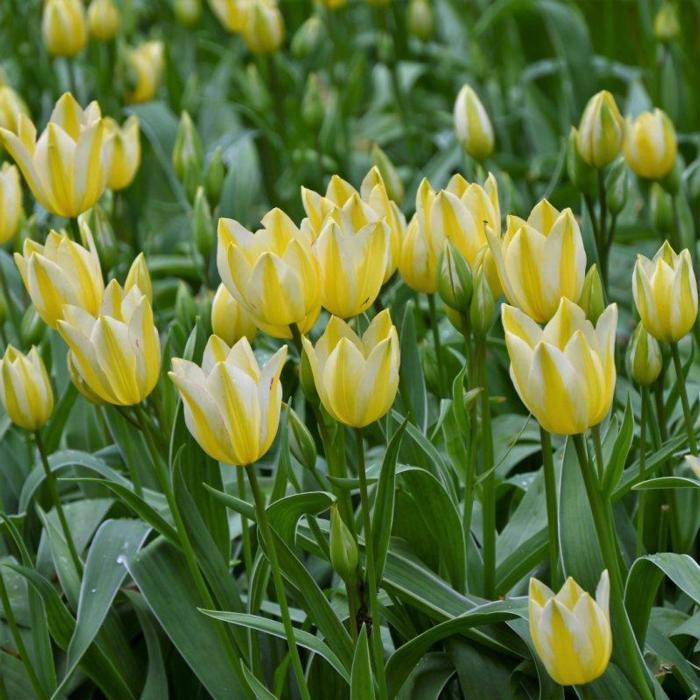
column 667, row 482
column 361, row 679
column 620, row 450
column 285, row 513
column 411, row 378
column 259, row 690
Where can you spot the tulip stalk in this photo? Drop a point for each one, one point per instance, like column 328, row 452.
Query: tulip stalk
column 680, row 383
column 12, row 309
column 642, row 470
column 434, row 325
column 550, row 489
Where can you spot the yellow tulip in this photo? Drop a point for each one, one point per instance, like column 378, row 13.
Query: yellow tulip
column 231, row 13
column 540, row 260
column 571, row 631
column 356, row 378
column 126, row 151
column 229, row 320
column 472, row 124
column 66, row 168
column 232, row 405
column 139, row 277
column 104, row 19
column 272, row 273
column 263, row 30
column 666, row 293
column 79, row 383
column 11, row 106
column 116, row 352
column 25, row 389
column 601, row 131
column 61, row 272
column 650, row 145
column 146, row 63
column 63, row 27
column 564, row 374
column 10, row 202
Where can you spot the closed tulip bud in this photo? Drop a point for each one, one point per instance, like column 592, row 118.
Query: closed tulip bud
column 232, row 405
column 61, row 272
column 472, row 124
column 666, row 293
column 188, row 155
column 540, row 260
column 63, row 27
column 312, row 103
column 307, row 38
column 420, row 19
column 272, row 273
column 139, row 277
column 601, row 131
column 11, row 106
column 582, row 176
column 103, row 19
column 117, row 351
column 185, row 306
column 10, row 202
column 356, row 378
column 255, row 89
column 202, row 224
column 592, row 299
column 344, row 552
column 650, row 145
column 95, row 225
column 145, row 64
column 229, row 320
column 666, row 24
column 660, row 208
column 25, row 388
column 263, row 31
column 616, row 186
column 126, row 151
column 301, row 442
column 565, row 374
column 390, row 176
column 644, row 359
column 482, row 307
column 214, row 177
column 571, row 631
column 231, row 13
column 455, row 279
column 188, row 12
column 31, row 327
column 67, row 167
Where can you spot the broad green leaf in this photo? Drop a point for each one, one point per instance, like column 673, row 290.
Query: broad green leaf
column 667, row 482
column 620, row 450
column 361, row 677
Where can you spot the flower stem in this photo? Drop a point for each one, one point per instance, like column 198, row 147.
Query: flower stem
column 11, row 307
column 266, row 532
column 642, row 470
column 438, row 344
column 550, row 489
column 680, row 383
column 598, row 447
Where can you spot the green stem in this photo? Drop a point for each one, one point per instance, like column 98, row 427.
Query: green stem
column 680, row 383
column 438, row 344
column 296, row 339
column 370, row 569
column 642, row 471
column 603, row 229
column 56, row 502
column 550, row 488
column 598, row 447
column 11, row 307
column 271, row 550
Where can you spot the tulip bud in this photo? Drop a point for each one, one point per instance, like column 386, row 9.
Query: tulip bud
column 202, row 224
column 472, row 124
column 31, row 328
column 582, row 175
column 650, row 145
column 188, row 12
column 616, row 185
column 145, row 66
column 264, row 28
column 420, row 19
column 10, row 202
column 601, row 131
column 454, row 279
column 666, row 25
column 139, row 277
column 63, row 27
column 392, row 180
column 312, row 103
column 661, row 208
column 644, row 359
column 301, row 442
column 214, row 177
column 345, row 556
column 103, row 19
column 229, row 320
column 306, row 39
column 188, row 156
column 592, row 299
column 306, row 378
column 11, row 106
column 482, row 306
column 185, row 307
column 97, row 223
column 255, row 89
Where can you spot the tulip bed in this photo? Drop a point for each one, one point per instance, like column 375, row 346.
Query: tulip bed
column 349, row 349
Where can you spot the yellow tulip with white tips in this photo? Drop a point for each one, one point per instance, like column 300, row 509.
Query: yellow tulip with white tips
column 565, row 373
column 117, row 352
column 25, row 389
column 651, row 146
column 126, row 151
column 666, row 293
column 272, row 272
column 231, row 13
column 229, row 320
column 11, row 106
column 540, row 260
column 570, row 630
column 64, row 27
column 263, row 30
column 61, row 272
column 145, row 62
column 472, row 124
column 601, row 131
column 139, row 277
column 67, row 167
column 10, row 202
column 232, row 405
column 104, row 19
column 481, row 200
column 356, row 378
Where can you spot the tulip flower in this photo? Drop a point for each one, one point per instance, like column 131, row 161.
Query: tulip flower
column 66, row 168
column 25, row 389
column 564, row 374
column 472, row 124
column 145, row 64
column 666, row 293
column 356, row 378
column 650, row 145
column 540, row 260
column 420, row 19
column 272, row 273
column 263, row 30
column 571, row 631
column 231, row 13
column 61, row 272
column 229, row 320
column 644, row 359
column 10, row 202
column 601, row 131
column 11, row 106
column 188, row 12
column 232, row 405
column 116, row 352
column 63, row 27
column 103, row 19
column 139, row 277
column 126, row 151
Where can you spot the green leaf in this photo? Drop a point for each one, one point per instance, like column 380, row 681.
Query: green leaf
column 667, row 482
column 259, row 690
column 361, row 679
column 620, row 450
column 284, row 514
column 411, row 378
